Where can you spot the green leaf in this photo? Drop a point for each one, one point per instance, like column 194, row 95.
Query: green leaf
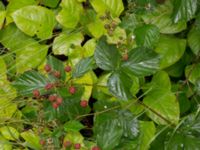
column 56, row 65
column 35, row 20
column 160, row 80
column 129, row 22
column 4, row 144
column 96, row 28
column 147, row 35
column 108, row 134
column 74, row 137
column 89, row 47
column 29, row 81
column 32, row 140
column 194, row 40
column 184, row 10
column 17, row 41
column 104, row 55
column 119, row 85
column 148, row 131
column 171, row 50
column 14, row 5
column 141, row 62
column 3, row 76
column 161, row 17
column 69, row 16
column 73, row 126
column 29, row 53
column 50, row 3
column 30, row 57
column 9, row 133
column 129, row 124
column 2, row 14
column 165, row 104
column 182, row 141
column 83, row 66
column 193, row 72
column 115, row 7
column 62, row 44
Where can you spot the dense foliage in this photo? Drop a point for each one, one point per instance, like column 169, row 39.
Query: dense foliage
column 100, row 74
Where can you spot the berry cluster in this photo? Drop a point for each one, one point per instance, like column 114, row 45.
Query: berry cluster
column 55, row 99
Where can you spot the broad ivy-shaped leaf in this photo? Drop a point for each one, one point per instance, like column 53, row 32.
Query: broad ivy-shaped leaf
column 35, row 20
column 147, row 35
column 184, row 9
column 171, row 50
column 82, row 67
column 119, row 85
column 141, row 62
column 107, row 57
column 30, row 57
column 32, row 139
column 165, row 104
column 29, row 81
column 62, row 44
column 194, row 40
column 70, row 14
column 115, row 7
column 14, row 5
column 161, row 17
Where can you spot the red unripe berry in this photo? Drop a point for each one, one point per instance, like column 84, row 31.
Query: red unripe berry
column 48, row 86
column 96, row 148
column 52, row 98
column 72, row 90
column 36, row 93
column 55, row 105
column 68, row 68
column 67, row 144
column 77, row 146
column 125, row 57
column 57, row 74
column 42, row 142
column 47, row 68
column 84, row 103
column 59, row 100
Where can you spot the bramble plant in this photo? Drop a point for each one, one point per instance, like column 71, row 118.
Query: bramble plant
column 100, row 74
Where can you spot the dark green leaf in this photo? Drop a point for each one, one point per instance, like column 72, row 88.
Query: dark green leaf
column 119, row 85
column 194, row 40
column 147, row 35
column 56, row 65
column 108, row 133
column 141, row 62
column 83, row 66
column 29, row 81
column 106, row 56
column 184, row 10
